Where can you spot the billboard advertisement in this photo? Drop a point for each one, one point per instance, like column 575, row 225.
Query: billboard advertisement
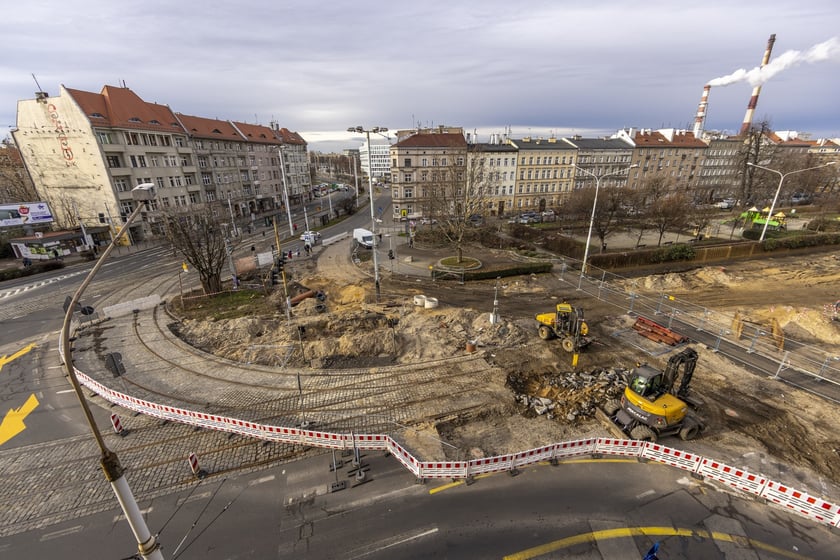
column 25, row 213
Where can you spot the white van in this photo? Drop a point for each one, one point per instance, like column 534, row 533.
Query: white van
column 363, row 237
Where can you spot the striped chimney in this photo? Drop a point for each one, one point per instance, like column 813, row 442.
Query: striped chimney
column 700, row 119
column 748, row 117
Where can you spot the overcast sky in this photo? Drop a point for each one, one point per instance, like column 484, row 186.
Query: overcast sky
column 538, row 67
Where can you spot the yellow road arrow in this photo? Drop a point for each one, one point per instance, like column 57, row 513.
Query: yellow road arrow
column 13, row 422
column 6, row 359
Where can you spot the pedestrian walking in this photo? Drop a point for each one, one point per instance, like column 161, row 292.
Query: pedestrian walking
column 297, row 251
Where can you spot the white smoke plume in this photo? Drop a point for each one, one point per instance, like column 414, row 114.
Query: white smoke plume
column 827, row 50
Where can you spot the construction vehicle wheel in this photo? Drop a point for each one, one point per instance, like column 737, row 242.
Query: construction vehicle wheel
column 643, row 433
column 568, row 344
column 690, row 431
column 611, row 407
column 545, row 332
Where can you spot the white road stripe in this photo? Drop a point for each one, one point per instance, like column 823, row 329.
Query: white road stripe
column 194, row 498
column 645, row 494
column 65, row 391
column 142, row 511
column 262, row 480
column 61, row 533
column 396, row 540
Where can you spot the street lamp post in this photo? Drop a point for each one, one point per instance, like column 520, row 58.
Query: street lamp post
column 779, row 188
column 594, row 205
column 285, row 190
column 147, row 544
column 376, row 130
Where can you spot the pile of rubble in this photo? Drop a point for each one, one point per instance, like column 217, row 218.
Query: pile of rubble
column 569, row 396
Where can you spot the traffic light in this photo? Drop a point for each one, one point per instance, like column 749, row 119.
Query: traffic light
column 273, row 276
column 391, row 254
column 281, row 261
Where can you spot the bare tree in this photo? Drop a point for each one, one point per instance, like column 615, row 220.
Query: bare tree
column 198, row 235
column 669, row 213
column 607, row 210
column 456, row 197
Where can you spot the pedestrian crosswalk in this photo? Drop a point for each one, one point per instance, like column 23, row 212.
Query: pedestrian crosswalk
column 21, row 289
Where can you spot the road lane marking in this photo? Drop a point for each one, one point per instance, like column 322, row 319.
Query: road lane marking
column 630, row 532
column 13, row 421
column 396, row 540
column 262, row 480
column 65, row 391
column 121, row 517
column 5, row 359
column 645, row 494
column 61, row 533
column 194, row 498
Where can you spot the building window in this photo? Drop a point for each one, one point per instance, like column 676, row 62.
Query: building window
column 138, row 161
column 105, row 138
column 408, row 192
column 121, row 184
column 408, row 177
column 160, row 182
column 194, row 199
column 113, row 161
column 407, row 162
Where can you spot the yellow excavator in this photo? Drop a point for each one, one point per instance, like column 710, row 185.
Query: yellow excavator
column 652, row 407
column 567, row 324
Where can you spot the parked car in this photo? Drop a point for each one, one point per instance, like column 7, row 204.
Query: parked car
column 725, row 204
column 476, row 220
column 428, row 221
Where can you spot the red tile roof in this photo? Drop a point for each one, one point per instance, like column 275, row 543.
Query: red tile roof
column 445, row 140
column 209, row 128
column 121, row 107
column 257, row 133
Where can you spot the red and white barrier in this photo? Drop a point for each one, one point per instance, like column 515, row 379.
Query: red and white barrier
column 117, row 424
column 803, row 504
column 193, row 461
column 799, row 502
column 672, row 457
column 737, row 478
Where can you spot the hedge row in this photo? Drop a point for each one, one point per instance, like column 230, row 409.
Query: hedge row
column 515, row 269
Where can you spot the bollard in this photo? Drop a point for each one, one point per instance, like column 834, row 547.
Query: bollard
column 117, row 424
column 193, row 461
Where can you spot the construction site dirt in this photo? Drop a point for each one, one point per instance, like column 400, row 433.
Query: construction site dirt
column 532, row 395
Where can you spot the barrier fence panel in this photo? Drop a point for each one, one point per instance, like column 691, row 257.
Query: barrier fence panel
column 672, row 457
column 574, row 448
column 737, row 478
column 802, row 503
column 491, row 464
column 533, row 456
column 623, row 447
column 455, row 469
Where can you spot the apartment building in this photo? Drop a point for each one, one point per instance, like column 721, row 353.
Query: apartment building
column 498, row 164
column 608, row 158
column 85, row 152
column 674, row 156
column 545, row 172
column 423, row 161
column 722, row 171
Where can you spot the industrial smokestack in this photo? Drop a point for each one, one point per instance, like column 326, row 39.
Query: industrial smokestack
column 748, row 117
column 700, row 119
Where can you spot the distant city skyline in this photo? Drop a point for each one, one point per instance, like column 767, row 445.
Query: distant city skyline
column 548, row 66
